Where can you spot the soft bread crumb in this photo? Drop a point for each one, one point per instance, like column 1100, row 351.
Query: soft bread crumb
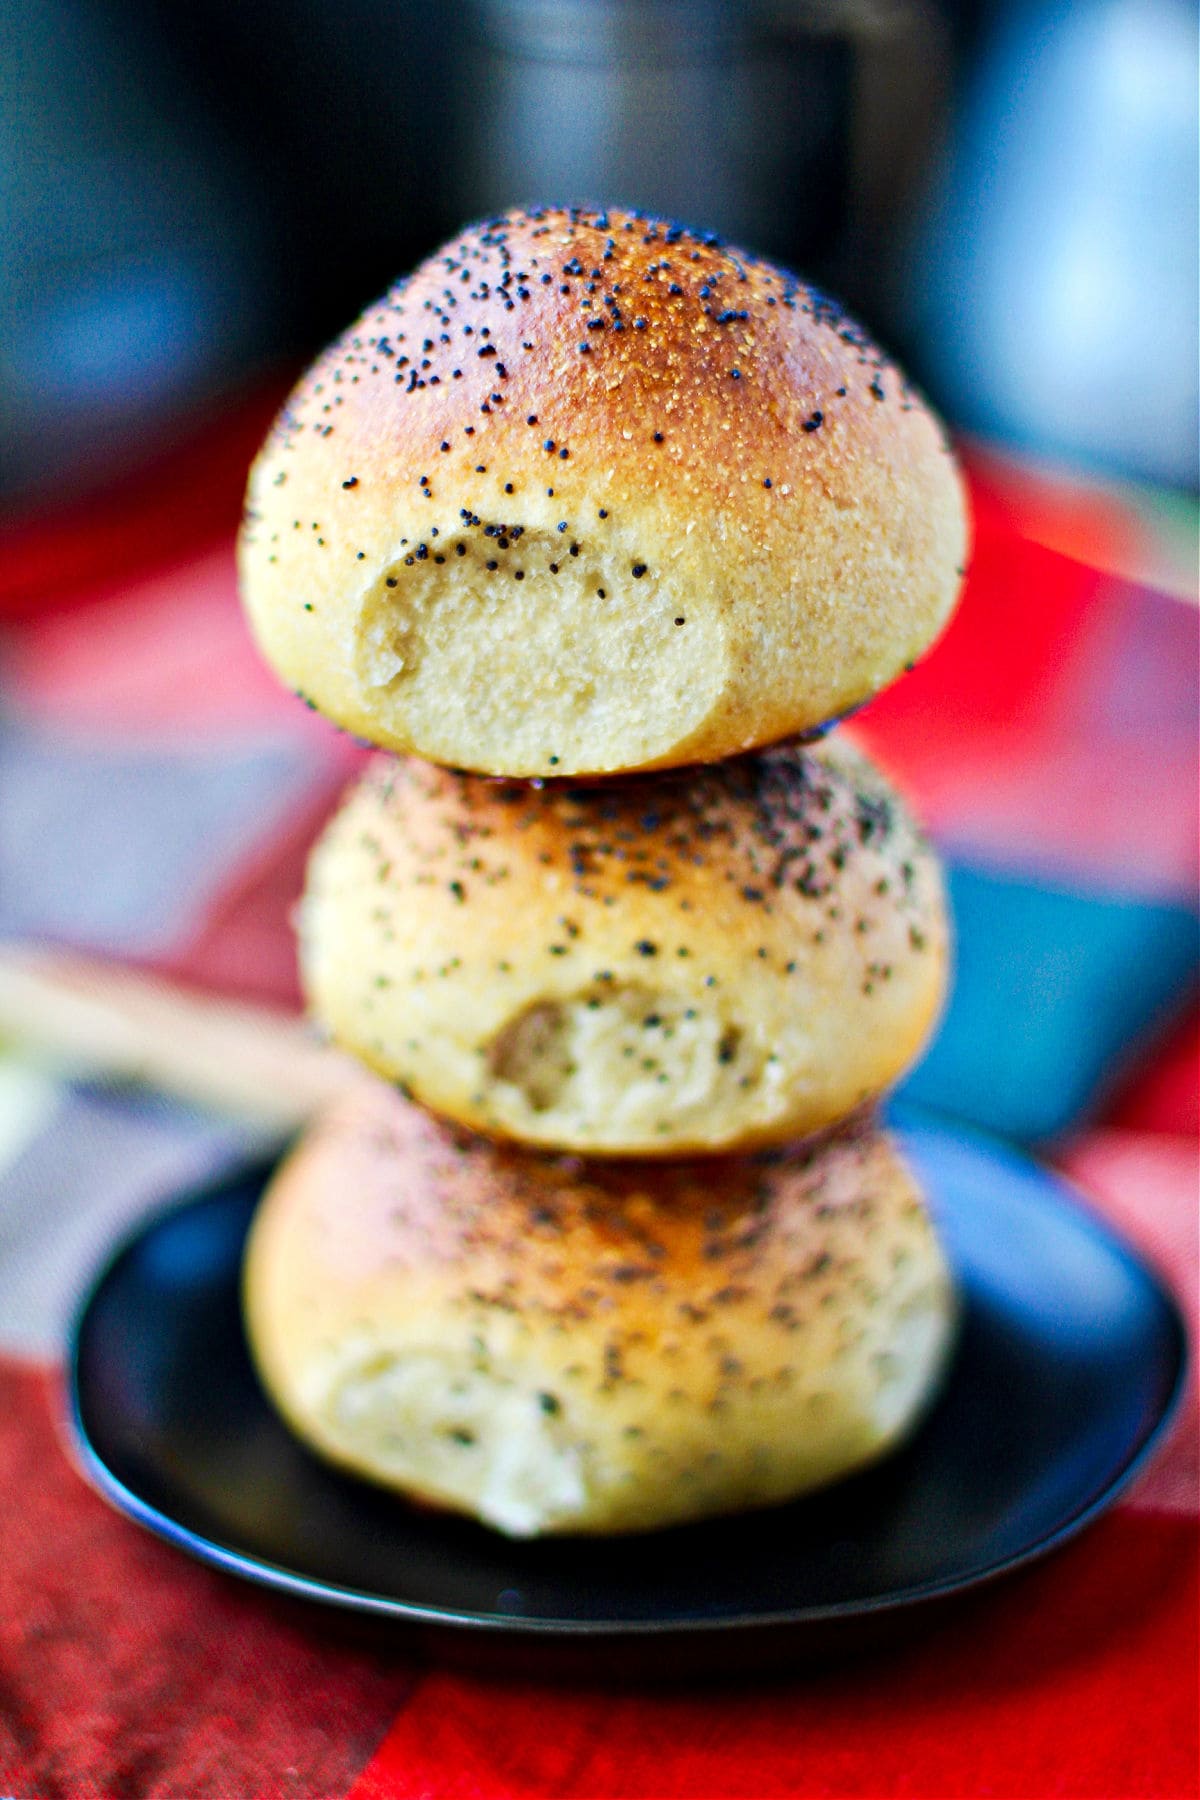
column 585, row 1058
column 495, row 1447
column 599, row 657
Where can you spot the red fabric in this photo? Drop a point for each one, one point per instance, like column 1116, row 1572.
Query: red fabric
column 129, row 1673
column 1078, row 1679
column 1165, row 1094
column 1057, row 509
column 1148, row 1185
column 166, row 657
column 189, row 495
column 999, row 733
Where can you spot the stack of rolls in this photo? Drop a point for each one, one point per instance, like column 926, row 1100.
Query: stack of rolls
column 590, row 525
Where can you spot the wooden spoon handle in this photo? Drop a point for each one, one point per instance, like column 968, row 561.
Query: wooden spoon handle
column 92, row 1018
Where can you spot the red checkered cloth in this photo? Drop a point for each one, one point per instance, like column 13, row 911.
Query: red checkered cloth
column 127, row 1671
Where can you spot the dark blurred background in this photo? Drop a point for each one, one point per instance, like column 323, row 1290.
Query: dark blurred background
column 194, row 198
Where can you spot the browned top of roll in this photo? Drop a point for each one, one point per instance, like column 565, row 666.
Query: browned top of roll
column 592, row 336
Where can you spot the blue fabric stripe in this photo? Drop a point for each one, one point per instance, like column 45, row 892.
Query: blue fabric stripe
column 1055, row 993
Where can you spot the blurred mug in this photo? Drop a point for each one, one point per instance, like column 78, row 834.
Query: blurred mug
column 744, row 118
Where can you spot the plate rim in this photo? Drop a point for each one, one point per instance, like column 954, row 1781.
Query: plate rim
column 276, row 1578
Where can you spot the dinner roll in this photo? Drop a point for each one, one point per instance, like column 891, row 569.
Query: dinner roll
column 709, row 959
column 591, row 493
column 555, row 1346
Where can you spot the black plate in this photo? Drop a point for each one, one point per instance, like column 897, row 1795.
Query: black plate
column 1070, row 1360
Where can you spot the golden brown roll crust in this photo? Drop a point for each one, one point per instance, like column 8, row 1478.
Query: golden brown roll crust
column 590, row 493
column 555, row 1345
column 705, row 959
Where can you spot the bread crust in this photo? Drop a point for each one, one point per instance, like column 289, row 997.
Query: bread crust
column 554, row 1345
column 588, row 493
column 701, row 960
